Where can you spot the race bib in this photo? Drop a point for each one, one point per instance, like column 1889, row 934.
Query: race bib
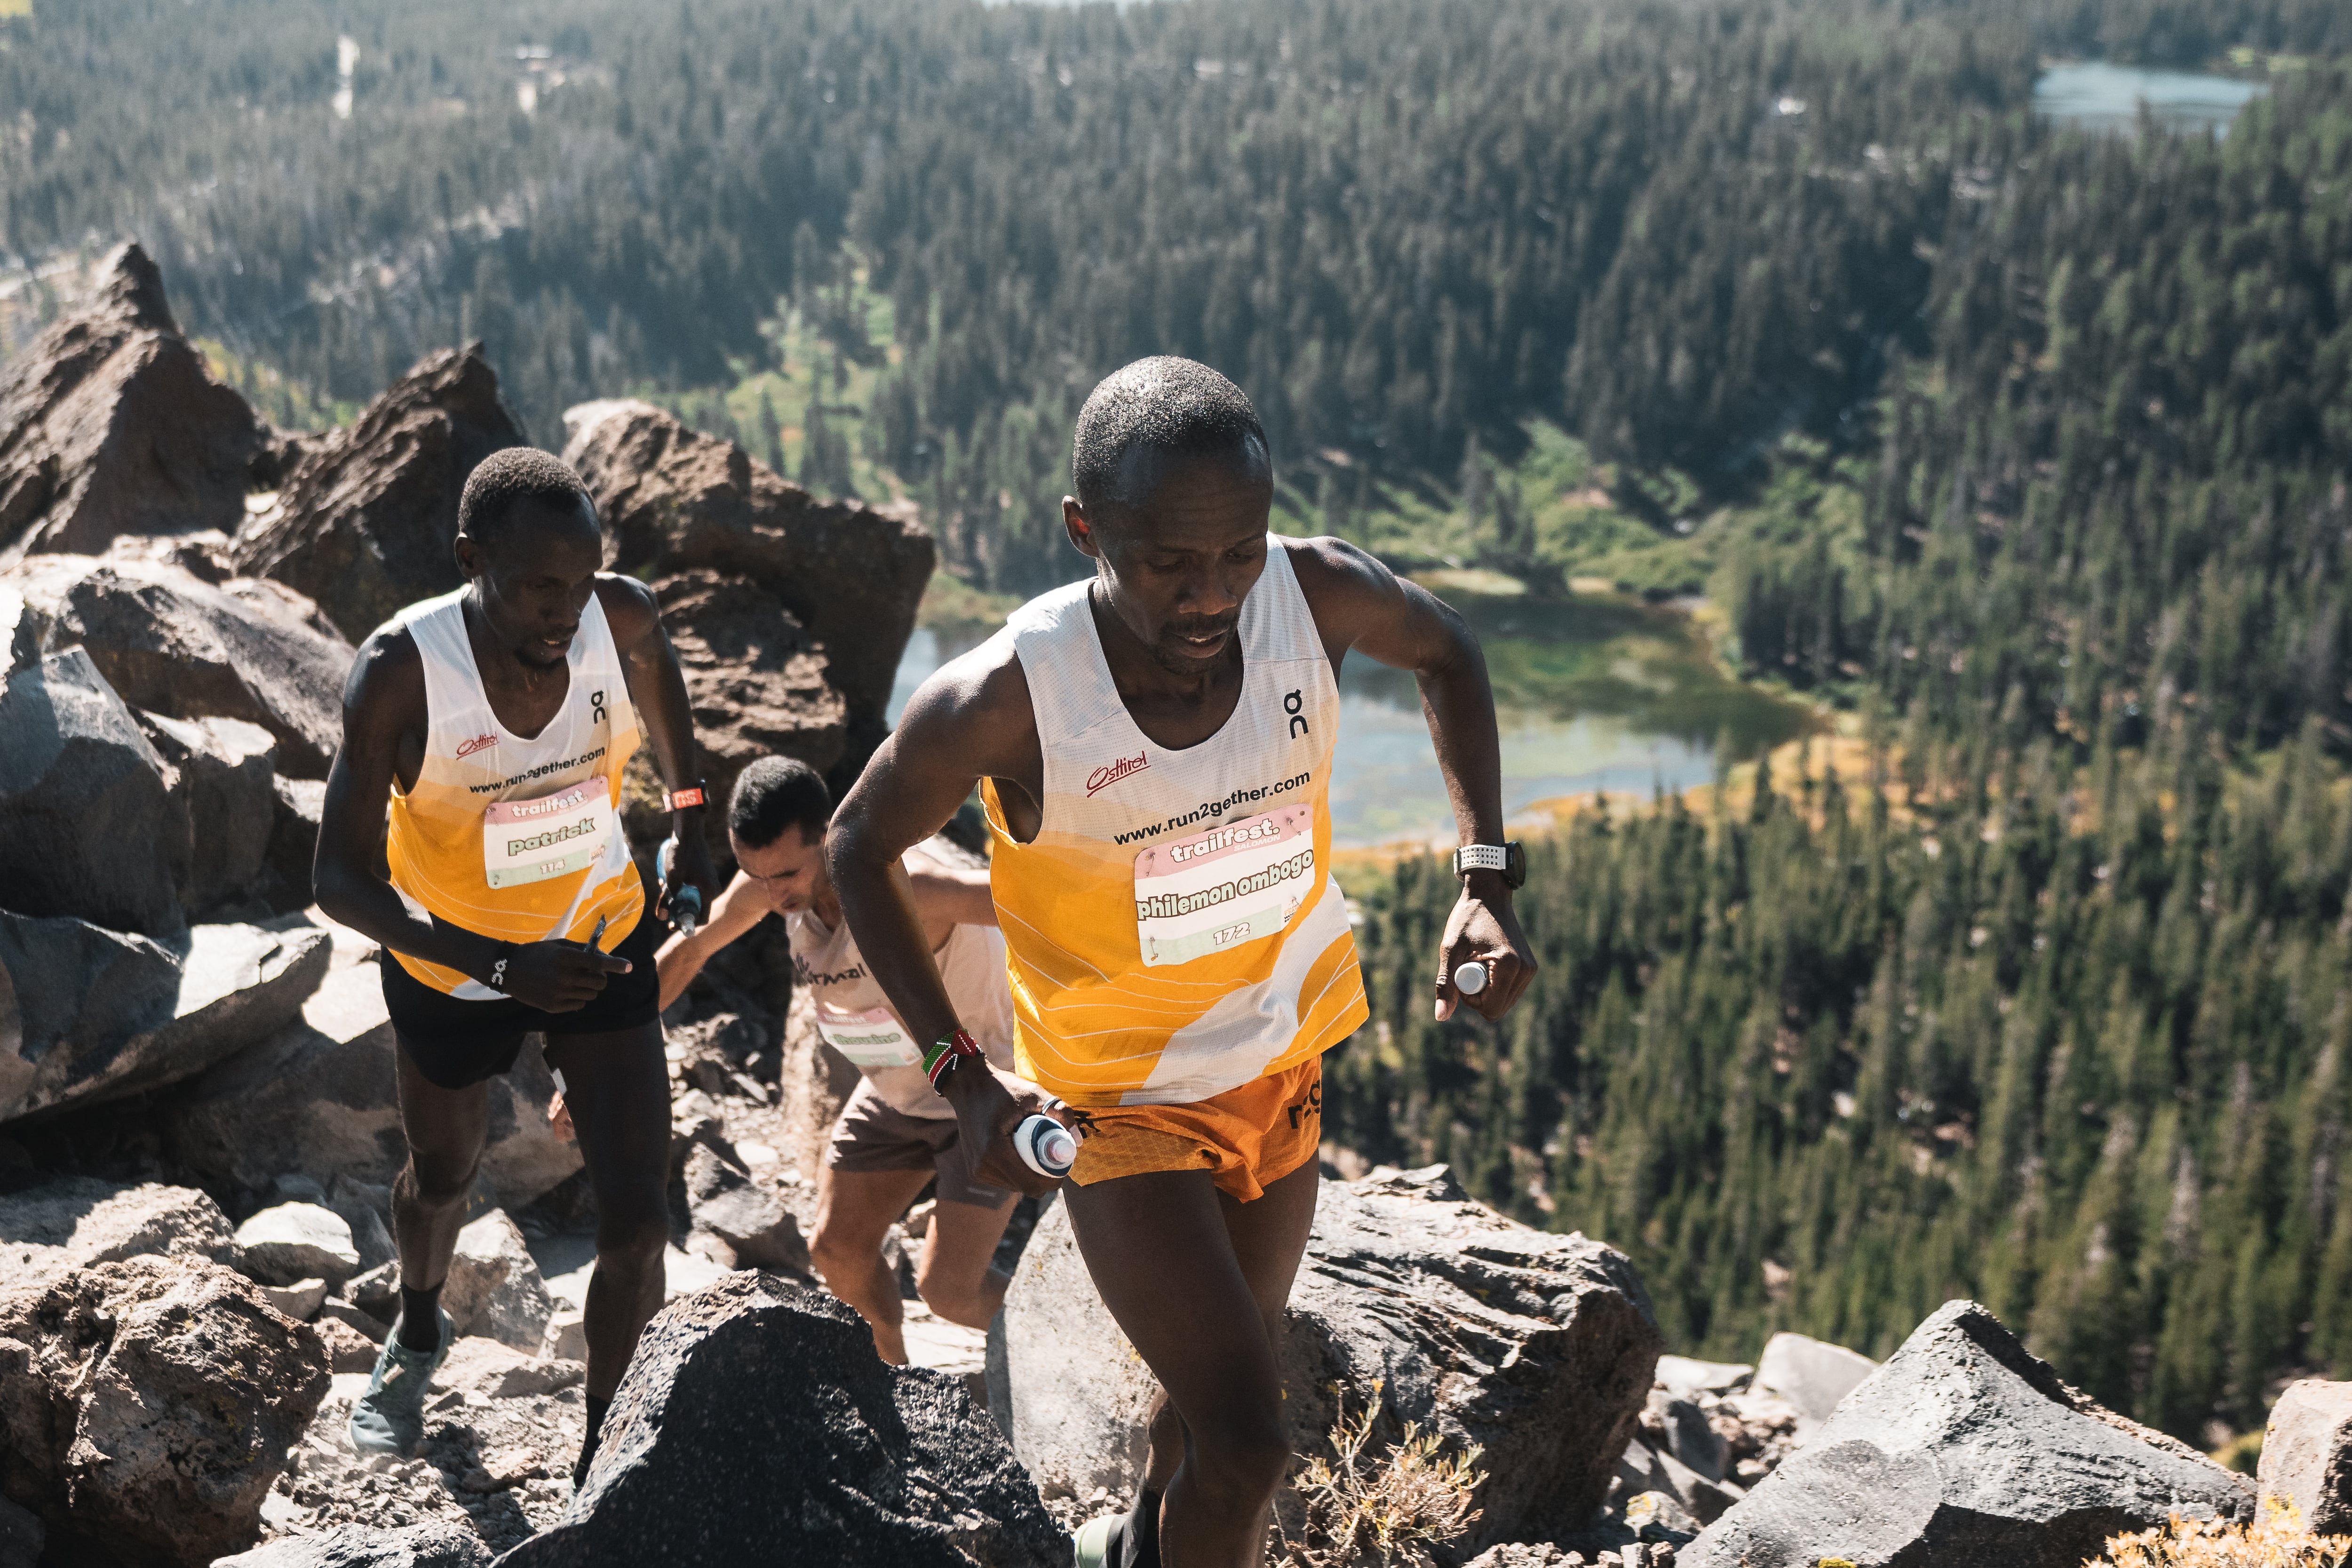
column 531, row 840
column 869, row 1039
column 1233, row 884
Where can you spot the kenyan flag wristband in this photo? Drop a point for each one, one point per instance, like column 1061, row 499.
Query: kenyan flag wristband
column 941, row 1057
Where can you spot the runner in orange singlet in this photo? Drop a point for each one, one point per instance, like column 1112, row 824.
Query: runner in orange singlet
column 1154, row 749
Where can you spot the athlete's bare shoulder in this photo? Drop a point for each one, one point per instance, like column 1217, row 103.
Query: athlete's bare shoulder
column 1350, row 593
column 388, row 677
column 976, row 707
column 630, row 608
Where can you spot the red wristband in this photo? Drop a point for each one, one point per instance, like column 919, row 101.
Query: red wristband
column 684, row 799
column 944, row 1056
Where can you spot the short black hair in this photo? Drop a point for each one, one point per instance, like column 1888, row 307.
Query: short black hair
column 774, row 794
column 512, row 477
column 1166, row 405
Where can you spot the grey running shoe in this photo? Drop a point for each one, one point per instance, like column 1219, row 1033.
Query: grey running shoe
column 389, row 1418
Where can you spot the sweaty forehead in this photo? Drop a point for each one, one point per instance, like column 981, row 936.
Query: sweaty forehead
column 1169, row 498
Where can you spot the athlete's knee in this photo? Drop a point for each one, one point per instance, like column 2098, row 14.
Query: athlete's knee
column 836, row 1248
column 634, row 1241
column 438, row 1183
column 960, row 1294
column 1242, row 1449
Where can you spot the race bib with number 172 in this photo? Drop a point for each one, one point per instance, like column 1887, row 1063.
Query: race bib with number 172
column 1239, row 881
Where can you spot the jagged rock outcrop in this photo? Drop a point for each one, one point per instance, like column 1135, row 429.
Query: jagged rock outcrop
column 438, row 1544
column 318, row 1100
column 1811, row 1374
column 89, row 1014
column 1537, row 1347
column 364, row 520
column 174, row 644
column 755, row 1424
column 110, row 424
column 675, row 500
column 225, row 776
column 147, row 1405
column 73, row 1222
column 2308, row 1453
column 757, row 680
column 88, row 825
column 1966, row 1452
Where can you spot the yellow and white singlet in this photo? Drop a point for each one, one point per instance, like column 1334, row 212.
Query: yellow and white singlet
column 513, row 838
column 1173, row 930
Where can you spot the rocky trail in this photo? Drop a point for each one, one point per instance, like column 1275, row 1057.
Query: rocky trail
column 198, row 1128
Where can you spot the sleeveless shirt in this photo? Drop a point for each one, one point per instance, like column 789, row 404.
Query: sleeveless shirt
column 1173, row 932
column 510, row 837
column 827, row 964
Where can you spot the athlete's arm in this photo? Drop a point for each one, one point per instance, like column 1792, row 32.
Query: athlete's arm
column 1360, row 604
column 657, row 690
column 971, row 720
column 948, row 896
column 384, row 701
column 681, row 958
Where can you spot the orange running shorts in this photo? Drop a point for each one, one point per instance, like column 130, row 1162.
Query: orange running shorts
column 1247, row 1137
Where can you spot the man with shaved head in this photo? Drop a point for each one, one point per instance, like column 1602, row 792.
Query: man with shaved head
column 471, row 829
column 1153, row 747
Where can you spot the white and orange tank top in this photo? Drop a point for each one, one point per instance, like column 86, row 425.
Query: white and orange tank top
column 1173, row 930
column 856, row 1019
column 511, row 838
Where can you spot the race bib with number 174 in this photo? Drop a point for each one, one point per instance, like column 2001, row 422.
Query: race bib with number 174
column 531, row 840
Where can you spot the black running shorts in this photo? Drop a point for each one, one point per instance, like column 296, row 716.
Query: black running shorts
column 454, row 1043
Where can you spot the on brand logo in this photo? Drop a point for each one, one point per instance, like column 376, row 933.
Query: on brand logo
column 1291, row 703
column 479, row 744
column 1102, row 778
column 596, row 708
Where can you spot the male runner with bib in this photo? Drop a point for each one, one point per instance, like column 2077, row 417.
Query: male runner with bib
column 894, row 1135
column 471, row 829
column 1153, row 747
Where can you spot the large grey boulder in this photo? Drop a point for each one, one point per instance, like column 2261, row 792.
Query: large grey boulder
column 73, row 1222
column 1964, row 1451
column 319, row 1099
column 289, row 1243
column 755, row 1424
column 364, row 522
column 147, row 1405
column 225, row 774
column 433, row 1544
column 2308, row 1453
column 170, row 642
column 674, row 501
column 1536, row 1347
column 1810, row 1374
column 89, row 1014
column 493, row 1288
column 88, row 824
column 110, row 424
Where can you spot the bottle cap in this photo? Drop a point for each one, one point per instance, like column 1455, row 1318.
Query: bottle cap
column 1470, row 978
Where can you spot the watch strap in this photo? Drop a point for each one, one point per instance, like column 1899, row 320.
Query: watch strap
column 1481, row 858
column 694, row 794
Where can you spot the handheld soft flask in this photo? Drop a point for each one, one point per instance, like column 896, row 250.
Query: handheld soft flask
column 1045, row 1146
column 686, row 905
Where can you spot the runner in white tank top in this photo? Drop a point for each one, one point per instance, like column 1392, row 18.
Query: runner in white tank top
column 1160, row 864
column 484, row 735
column 894, row 1135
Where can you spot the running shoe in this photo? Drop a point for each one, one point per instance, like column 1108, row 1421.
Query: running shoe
column 389, row 1418
column 1096, row 1542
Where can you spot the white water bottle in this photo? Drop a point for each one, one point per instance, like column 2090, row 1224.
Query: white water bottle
column 1045, row 1145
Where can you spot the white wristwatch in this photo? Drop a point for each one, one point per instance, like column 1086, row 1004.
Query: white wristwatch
column 1510, row 859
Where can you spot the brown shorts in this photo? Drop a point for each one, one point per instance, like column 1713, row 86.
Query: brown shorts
column 874, row 1135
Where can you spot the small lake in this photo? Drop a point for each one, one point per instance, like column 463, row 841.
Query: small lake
column 1591, row 692
column 2103, row 97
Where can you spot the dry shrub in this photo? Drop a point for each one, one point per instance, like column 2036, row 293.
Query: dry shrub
column 1378, row 1510
column 2275, row 1541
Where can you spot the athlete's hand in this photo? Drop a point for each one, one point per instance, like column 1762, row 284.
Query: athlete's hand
column 1483, row 930
column 559, row 1119
column 559, row 976
column 691, row 867
column 988, row 1107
